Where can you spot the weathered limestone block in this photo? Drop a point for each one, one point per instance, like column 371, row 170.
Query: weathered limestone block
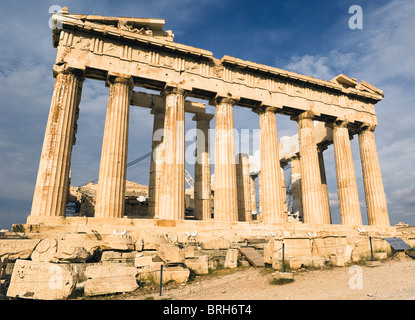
column 67, row 252
column 147, row 266
column 283, row 276
column 150, row 240
column 105, row 271
column 326, row 246
column 304, row 261
column 199, row 265
column 118, row 257
column 216, row 244
column 298, row 246
column 45, row 251
column 380, row 255
column 231, row 260
column 272, row 248
column 109, row 279
column 18, row 249
column 170, row 253
column 97, row 287
column 189, row 252
column 40, row 280
column 51, row 250
column 121, row 242
column 338, row 259
column 176, row 274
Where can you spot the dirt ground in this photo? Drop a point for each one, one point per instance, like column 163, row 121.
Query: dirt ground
column 391, row 280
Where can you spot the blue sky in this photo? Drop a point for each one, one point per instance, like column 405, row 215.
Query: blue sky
column 308, row 37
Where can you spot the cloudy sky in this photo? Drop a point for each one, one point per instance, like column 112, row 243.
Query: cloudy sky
column 308, row 37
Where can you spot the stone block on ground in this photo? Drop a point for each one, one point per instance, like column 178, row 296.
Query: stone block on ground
column 170, row 253
column 121, row 242
column 70, row 252
column 380, row 255
column 150, row 240
column 109, row 279
column 231, row 260
column 41, row 280
column 199, row 265
column 127, row 257
column 147, row 266
column 216, row 244
column 283, row 276
column 337, row 259
column 45, row 251
column 300, row 262
column 175, row 274
column 18, row 248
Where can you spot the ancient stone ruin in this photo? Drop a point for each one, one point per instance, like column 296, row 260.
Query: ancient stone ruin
column 131, row 53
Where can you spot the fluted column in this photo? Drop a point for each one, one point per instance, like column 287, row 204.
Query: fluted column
column 243, row 181
column 346, row 178
column 113, row 167
column 156, row 160
column 202, row 187
column 324, row 189
column 271, row 188
column 172, row 191
column 52, row 182
column 296, row 187
column 314, row 211
column 284, row 189
column 225, row 202
column 377, row 209
column 253, row 196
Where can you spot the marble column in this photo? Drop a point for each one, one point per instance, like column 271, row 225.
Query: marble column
column 156, row 160
column 172, row 191
column 243, row 181
column 377, row 209
column 324, row 190
column 296, row 187
column 202, row 187
column 225, row 202
column 52, row 182
column 346, row 178
column 272, row 205
column 253, row 197
column 113, row 167
column 284, row 189
column 314, row 211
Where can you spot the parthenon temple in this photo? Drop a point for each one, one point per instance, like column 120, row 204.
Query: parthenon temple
column 132, row 53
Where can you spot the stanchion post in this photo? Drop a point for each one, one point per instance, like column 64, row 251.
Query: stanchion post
column 371, row 248
column 283, row 262
column 161, row 279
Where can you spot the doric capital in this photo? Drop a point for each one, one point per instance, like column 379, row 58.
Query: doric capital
column 115, row 78
column 303, row 116
column 65, row 69
column 339, row 123
column 367, row 127
column 203, row 116
column 264, row 109
column 174, row 88
column 220, row 99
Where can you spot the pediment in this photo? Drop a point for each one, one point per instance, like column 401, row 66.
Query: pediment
column 347, row 82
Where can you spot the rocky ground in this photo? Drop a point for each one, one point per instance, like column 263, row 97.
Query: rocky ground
column 391, row 280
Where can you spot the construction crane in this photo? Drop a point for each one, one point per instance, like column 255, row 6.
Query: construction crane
column 189, row 179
